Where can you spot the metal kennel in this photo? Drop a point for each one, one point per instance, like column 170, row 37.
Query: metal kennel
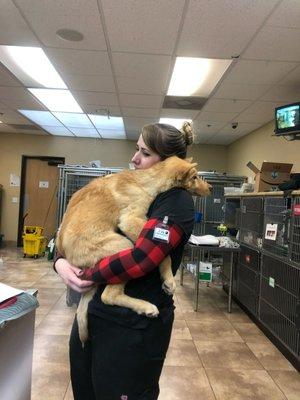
column 71, row 179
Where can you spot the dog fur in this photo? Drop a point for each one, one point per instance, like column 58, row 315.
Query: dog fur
column 88, row 231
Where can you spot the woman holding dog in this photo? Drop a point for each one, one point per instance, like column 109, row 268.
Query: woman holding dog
column 124, row 356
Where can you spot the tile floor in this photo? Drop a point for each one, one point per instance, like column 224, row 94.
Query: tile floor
column 213, row 355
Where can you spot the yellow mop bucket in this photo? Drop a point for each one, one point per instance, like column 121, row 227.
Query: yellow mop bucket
column 34, row 244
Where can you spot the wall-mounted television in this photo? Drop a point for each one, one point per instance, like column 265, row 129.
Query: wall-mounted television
column 287, row 119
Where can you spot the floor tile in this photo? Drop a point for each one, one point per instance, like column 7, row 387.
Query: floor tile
column 180, row 330
column 182, row 353
column 250, row 332
column 213, row 331
column 288, row 382
column 184, row 383
column 231, row 356
column 270, row 357
column 243, row 385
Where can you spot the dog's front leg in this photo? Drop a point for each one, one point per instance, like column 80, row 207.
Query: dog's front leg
column 131, row 225
column 167, row 277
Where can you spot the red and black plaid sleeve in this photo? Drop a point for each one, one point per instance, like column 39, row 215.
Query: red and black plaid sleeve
column 138, row 261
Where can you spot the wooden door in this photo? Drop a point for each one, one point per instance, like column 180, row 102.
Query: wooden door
column 40, row 195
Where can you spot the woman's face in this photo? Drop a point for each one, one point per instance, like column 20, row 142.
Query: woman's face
column 144, row 157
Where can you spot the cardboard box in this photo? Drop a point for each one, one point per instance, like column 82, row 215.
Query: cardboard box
column 270, row 175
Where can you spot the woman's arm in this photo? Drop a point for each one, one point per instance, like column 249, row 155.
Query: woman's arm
column 138, row 261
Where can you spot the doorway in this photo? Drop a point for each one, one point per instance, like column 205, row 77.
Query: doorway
column 38, row 194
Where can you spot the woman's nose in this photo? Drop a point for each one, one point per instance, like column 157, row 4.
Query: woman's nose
column 135, row 158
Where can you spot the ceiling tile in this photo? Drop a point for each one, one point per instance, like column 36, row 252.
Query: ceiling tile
column 13, row 28
column 143, row 26
column 287, row 14
column 140, row 112
column 135, row 124
column 97, row 98
column 240, row 91
column 80, row 61
column 226, row 105
column 140, row 85
column 216, row 116
column 146, row 66
column 259, row 72
column 210, row 27
column 137, row 100
column 102, row 109
column 13, row 117
column 283, row 93
column 7, row 79
column 274, row 43
column 96, row 83
column 28, row 103
column 174, row 113
column 46, row 17
column 293, row 78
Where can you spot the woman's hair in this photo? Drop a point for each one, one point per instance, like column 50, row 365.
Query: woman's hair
column 166, row 140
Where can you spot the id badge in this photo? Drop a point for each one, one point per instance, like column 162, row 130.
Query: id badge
column 161, row 231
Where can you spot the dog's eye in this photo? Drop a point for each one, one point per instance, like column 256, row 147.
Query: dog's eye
column 195, row 177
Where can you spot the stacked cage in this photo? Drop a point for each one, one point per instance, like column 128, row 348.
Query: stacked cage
column 251, row 221
column 71, row 179
column 280, row 301
column 211, row 208
column 248, row 278
column 276, row 225
column 295, row 231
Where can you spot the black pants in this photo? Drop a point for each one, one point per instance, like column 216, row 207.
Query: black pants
column 119, row 363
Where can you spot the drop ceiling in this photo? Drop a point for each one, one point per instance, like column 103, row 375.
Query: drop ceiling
column 124, row 62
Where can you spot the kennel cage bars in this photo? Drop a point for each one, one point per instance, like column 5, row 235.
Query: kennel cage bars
column 71, row 179
column 211, row 208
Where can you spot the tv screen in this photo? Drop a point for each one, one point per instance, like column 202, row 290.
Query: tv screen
column 287, row 119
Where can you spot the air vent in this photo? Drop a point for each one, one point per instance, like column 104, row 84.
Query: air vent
column 184, row 103
column 23, row 127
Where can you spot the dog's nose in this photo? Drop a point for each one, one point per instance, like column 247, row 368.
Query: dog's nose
column 210, row 188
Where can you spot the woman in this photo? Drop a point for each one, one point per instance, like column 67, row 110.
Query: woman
column 124, row 355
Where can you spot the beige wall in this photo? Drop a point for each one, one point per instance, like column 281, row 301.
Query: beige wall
column 260, row 146
column 112, row 153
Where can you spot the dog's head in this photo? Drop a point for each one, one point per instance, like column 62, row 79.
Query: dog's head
column 185, row 175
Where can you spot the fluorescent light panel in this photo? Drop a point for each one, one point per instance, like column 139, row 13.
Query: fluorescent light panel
column 196, row 76
column 74, row 120
column 31, row 66
column 103, row 122
column 57, row 130
column 57, row 100
column 112, row 134
column 41, row 117
column 177, row 122
column 85, row 132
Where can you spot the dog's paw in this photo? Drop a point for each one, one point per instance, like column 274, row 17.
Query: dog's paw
column 169, row 287
column 151, row 311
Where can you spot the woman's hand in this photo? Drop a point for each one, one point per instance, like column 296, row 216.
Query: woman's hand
column 71, row 276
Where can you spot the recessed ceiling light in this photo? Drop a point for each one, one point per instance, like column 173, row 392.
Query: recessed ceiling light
column 31, row 66
column 57, row 100
column 196, row 76
column 70, row 35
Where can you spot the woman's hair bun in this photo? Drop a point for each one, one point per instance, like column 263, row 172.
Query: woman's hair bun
column 188, row 131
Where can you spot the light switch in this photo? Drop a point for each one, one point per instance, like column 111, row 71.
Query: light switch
column 14, row 199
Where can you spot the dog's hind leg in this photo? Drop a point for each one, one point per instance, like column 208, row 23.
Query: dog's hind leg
column 114, row 295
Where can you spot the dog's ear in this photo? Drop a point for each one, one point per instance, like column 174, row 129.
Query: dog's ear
column 185, row 174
